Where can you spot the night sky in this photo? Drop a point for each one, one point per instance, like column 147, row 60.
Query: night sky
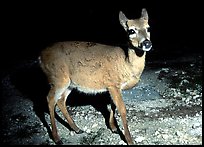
column 27, row 27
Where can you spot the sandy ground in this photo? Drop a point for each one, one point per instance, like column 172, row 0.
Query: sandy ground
column 164, row 108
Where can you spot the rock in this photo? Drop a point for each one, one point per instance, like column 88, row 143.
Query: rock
column 122, row 142
column 139, row 139
column 94, row 125
column 178, row 133
column 165, row 136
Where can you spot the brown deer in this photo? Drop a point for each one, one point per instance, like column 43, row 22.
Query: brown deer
column 94, row 68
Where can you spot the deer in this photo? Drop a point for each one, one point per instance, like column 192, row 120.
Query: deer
column 92, row 68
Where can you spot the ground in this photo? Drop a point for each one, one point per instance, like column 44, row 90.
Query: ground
column 164, row 108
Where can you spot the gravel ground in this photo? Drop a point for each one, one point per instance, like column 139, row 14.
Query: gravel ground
column 164, row 109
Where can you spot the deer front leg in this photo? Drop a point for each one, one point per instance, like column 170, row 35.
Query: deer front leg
column 118, row 101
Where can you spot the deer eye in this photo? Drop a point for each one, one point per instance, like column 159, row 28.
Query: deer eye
column 131, row 31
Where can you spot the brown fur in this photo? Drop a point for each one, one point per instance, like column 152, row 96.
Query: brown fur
column 91, row 68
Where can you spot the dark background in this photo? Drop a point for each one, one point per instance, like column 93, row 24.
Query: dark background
column 27, row 27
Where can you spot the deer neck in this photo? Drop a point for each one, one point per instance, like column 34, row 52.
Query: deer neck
column 136, row 60
column 135, row 54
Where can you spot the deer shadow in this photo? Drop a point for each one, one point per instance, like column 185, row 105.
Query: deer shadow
column 32, row 83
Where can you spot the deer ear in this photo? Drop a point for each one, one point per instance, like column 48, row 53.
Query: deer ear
column 144, row 14
column 123, row 20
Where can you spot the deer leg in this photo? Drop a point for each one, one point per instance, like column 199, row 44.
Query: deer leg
column 112, row 119
column 51, row 104
column 117, row 99
column 61, row 103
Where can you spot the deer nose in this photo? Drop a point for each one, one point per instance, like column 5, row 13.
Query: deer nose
column 147, row 43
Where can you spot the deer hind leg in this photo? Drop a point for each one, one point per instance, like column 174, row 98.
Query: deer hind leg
column 61, row 103
column 58, row 96
column 52, row 100
column 118, row 101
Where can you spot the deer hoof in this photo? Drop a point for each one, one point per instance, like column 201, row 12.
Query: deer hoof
column 80, row 131
column 59, row 142
column 115, row 131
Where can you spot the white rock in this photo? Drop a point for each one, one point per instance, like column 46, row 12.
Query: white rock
column 196, row 125
column 94, row 125
column 88, row 130
column 156, row 133
column 196, row 96
column 122, row 142
column 85, row 128
column 72, row 133
column 165, row 136
column 178, row 133
column 139, row 139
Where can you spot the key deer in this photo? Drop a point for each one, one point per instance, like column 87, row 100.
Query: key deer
column 94, row 68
